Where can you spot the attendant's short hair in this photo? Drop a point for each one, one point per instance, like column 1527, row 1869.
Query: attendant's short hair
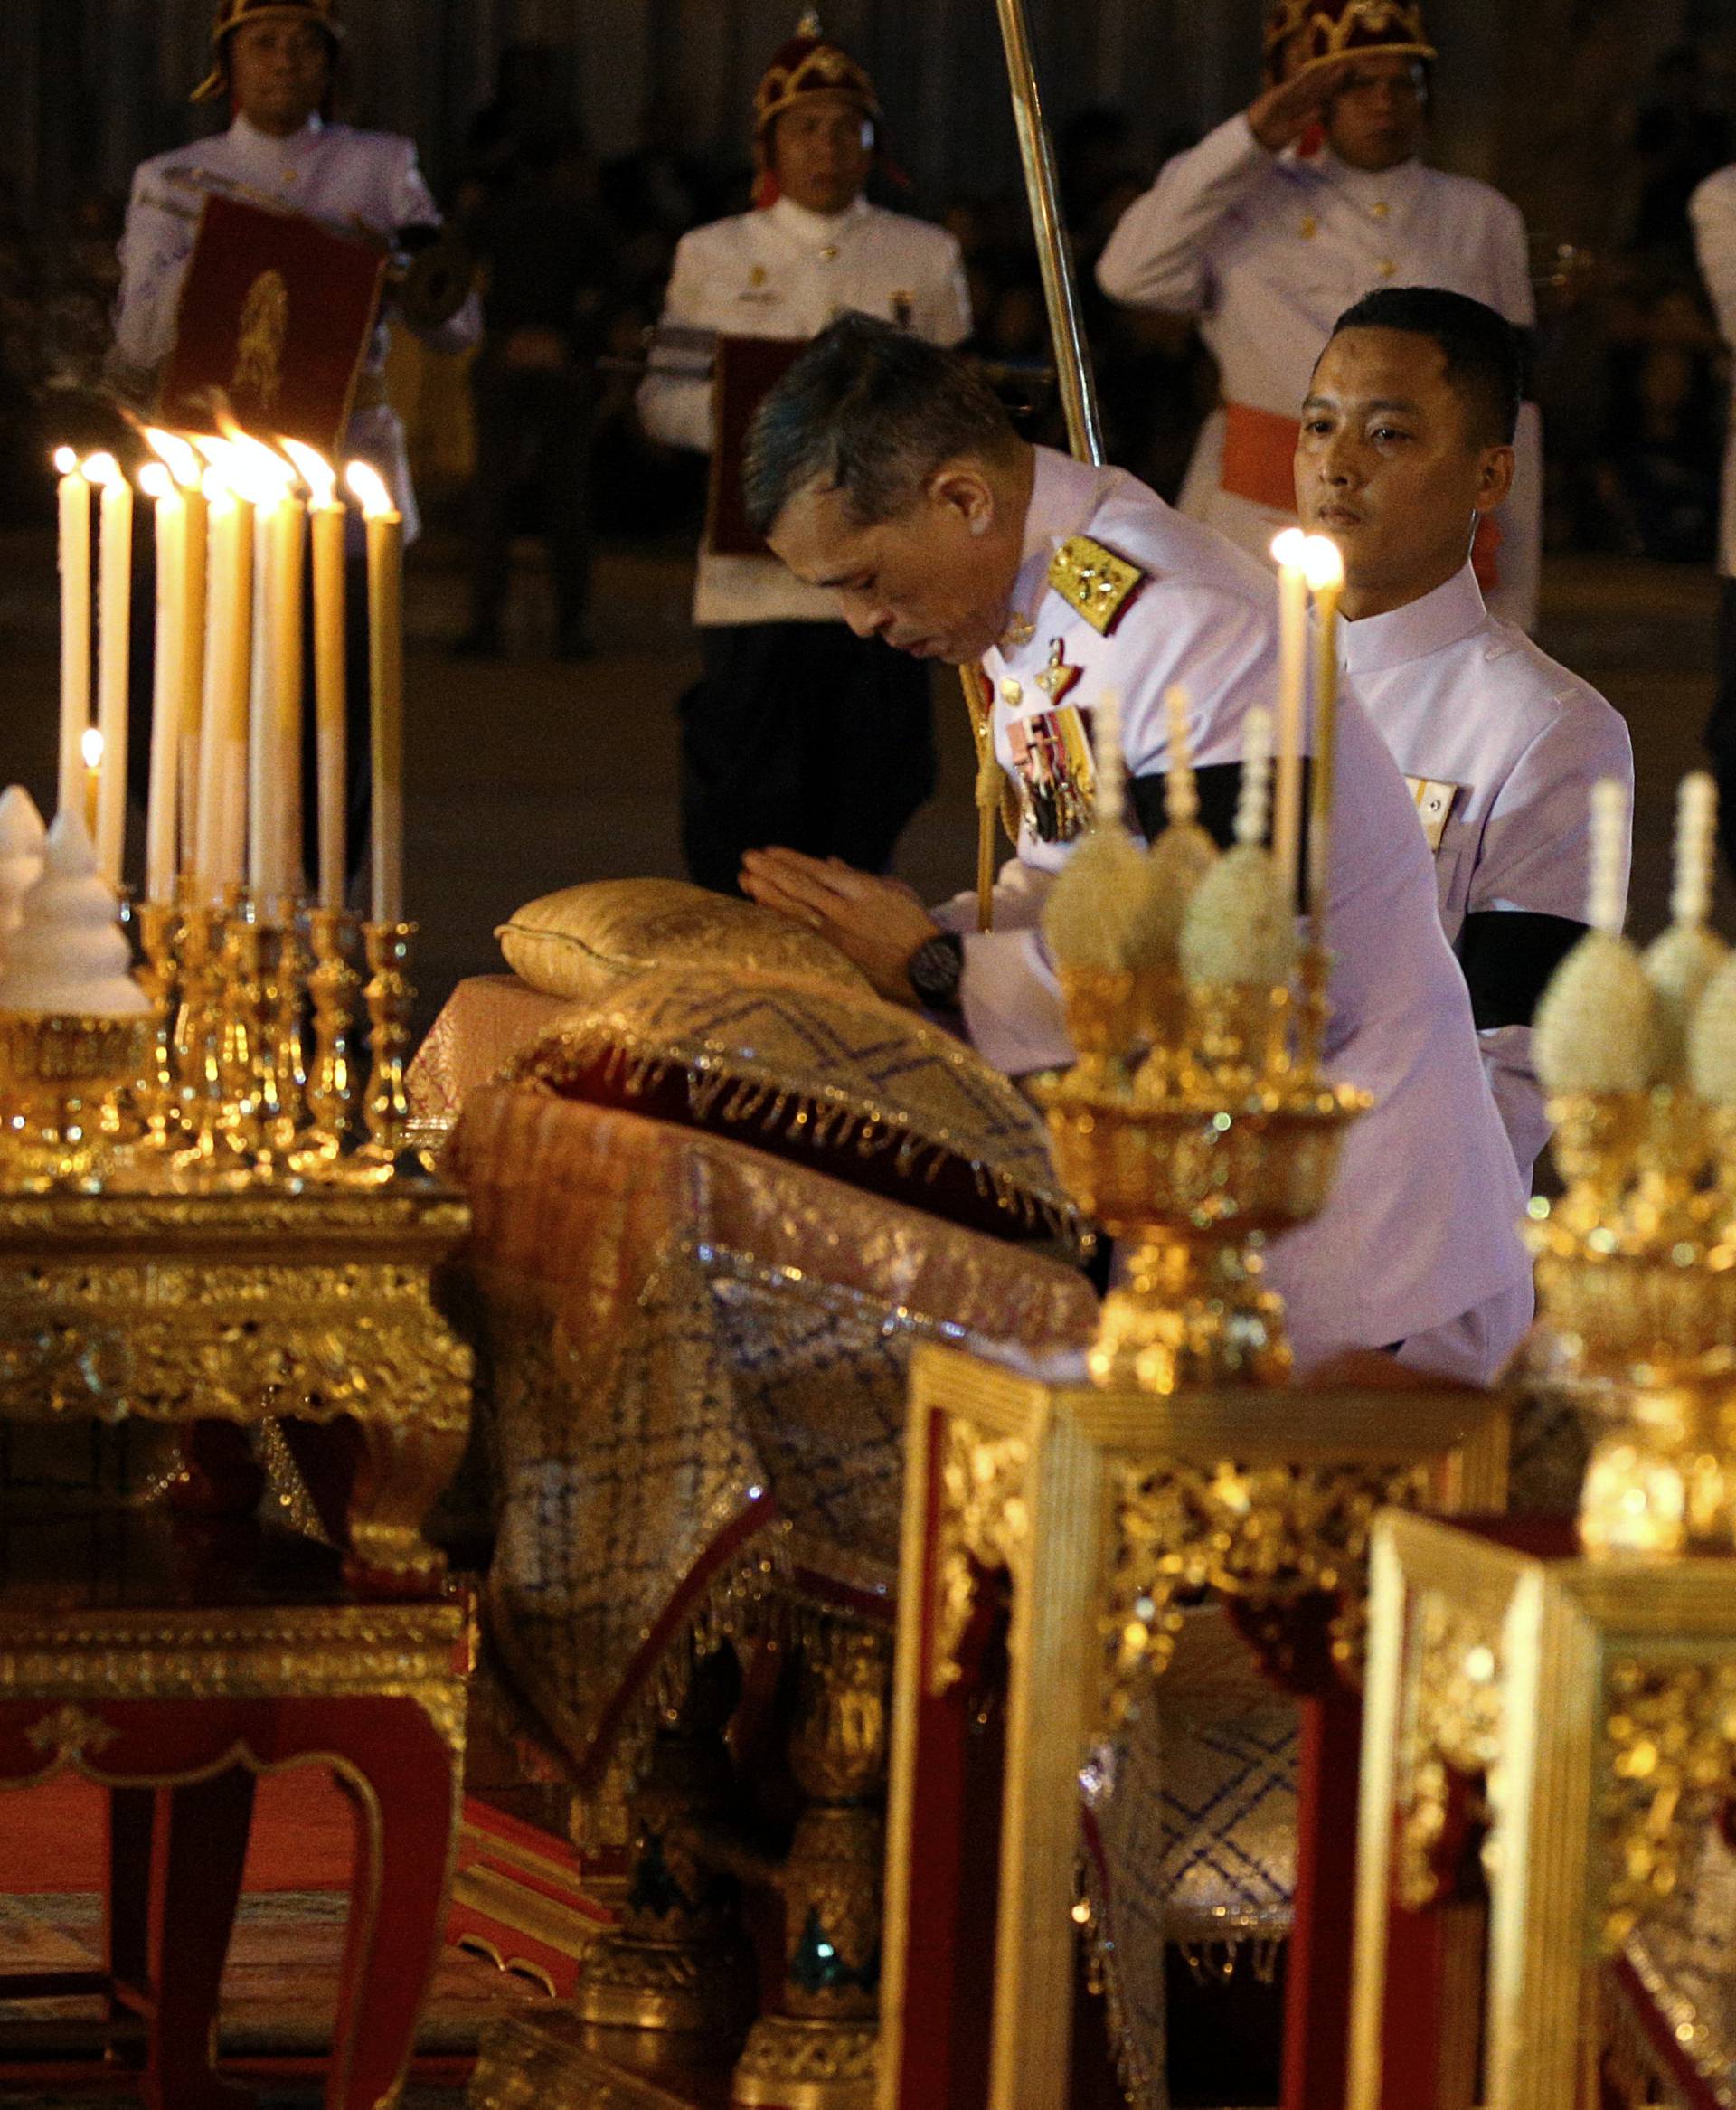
column 870, row 411
column 1485, row 353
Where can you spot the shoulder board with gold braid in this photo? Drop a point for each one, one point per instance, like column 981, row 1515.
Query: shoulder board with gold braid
column 1095, row 580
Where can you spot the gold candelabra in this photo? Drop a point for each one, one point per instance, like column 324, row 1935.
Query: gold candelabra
column 214, row 1089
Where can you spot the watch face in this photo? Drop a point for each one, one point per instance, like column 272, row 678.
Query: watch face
column 935, row 967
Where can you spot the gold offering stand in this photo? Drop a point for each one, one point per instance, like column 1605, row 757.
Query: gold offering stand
column 1195, row 1126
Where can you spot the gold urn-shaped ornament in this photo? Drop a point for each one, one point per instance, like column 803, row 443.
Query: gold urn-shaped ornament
column 1190, row 1129
column 1637, row 1261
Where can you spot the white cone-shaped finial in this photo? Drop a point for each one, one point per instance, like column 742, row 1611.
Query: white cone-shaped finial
column 67, row 958
column 23, row 843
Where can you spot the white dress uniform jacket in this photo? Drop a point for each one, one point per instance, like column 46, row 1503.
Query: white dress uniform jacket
column 1712, row 211
column 1269, row 250
column 331, row 173
column 1419, row 1242
column 1500, row 747
column 788, row 272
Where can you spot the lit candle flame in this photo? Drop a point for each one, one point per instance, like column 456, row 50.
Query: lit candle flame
column 66, row 462
column 156, row 481
column 216, row 488
column 103, row 468
column 90, row 747
column 365, row 481
column 182, row 456
column 1290, row 549
column 316, row 473
column 1323, row 563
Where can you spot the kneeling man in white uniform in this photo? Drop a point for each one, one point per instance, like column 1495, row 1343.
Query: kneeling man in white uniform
column 1406, row 443
column 886, row 472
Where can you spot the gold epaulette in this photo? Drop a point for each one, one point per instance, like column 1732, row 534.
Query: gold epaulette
column 1095, row 580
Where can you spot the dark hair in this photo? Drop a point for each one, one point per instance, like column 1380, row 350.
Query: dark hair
column 1485, row 353
column 868, row 410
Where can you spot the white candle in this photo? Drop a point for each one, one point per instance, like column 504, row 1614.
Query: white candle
column 167, row 691
column 274, row 744
column 183, row 465
column 1326, row 576
column 223, row 757
column 75, row 624
column 113, row 645
column 386, row 668
column 1292, row 678
column 1605, row 906
column 1696, row 824
column 326, row 522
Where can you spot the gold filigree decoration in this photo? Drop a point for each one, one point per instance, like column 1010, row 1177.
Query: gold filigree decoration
column 984, row 1526
column 70, row 1732
column 1268, row 1536
column 1451, row 1725
column 1672, row 1743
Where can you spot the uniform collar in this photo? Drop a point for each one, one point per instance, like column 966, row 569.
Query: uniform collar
column 1367, row 186
column 267, row 146
column 1064, row 494
column 816, row 230
column 1448, row 615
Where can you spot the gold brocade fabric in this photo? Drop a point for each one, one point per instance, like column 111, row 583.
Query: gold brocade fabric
column 1684, row 1957
column 695, row 1363
column 486, row 1020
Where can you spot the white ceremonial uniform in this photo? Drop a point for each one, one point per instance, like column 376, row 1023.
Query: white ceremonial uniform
column 1269, row 251
column 1500, row 747
column 1712, row 211
column 1419, row 1242
column 786, row 272
column 331, row 173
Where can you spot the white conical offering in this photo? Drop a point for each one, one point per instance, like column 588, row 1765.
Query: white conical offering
column 1089, row 915
column 1599, row 1026
column 68, row 959
column 23, row 843
column 1179, row 859
column 1711, row 1039
column 1681, row 960
column 1240, row 924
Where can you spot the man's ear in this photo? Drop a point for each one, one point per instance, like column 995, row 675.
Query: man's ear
column 961, row 488
column 1494, row 477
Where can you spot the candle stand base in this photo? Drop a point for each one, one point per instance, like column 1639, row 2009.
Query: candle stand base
column 60, row 1082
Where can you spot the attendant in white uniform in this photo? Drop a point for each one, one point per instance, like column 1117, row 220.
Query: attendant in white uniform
column 887, row 473
column 1280, row 219
column 1406, row 443
column 1712, row 211
column 274, row 60
column 796, row 732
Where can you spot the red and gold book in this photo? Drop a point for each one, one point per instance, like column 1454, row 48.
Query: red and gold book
column 746, row 372
column 276, row 312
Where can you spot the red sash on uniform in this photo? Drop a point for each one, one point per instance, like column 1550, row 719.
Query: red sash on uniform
column 1259, row 465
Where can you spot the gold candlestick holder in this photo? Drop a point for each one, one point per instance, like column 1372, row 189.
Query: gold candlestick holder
column 388, row 995
column 156, row 1096
column 290, row 1059
column 239, row 1001
column 334, row 985
column 60, row 1082
column 273, row 1129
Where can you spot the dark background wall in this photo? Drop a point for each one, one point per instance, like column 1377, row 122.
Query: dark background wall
column 1531, row 97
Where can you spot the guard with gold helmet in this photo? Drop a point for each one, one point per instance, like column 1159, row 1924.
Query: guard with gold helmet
column 274, row 59
column 798, row 731
column 1285, row 216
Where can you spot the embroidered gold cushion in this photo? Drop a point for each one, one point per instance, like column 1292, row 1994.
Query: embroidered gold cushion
column 859, row 1089
column 585, row 941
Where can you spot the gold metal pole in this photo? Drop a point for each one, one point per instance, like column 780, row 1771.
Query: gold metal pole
column 1072, row 355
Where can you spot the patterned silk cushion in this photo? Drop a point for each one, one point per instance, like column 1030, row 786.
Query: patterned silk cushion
column 585, row 941
column 863, row 1090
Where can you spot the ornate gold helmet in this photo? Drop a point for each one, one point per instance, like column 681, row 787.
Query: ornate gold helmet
column 233, row 14
column 810, row 64
column 1300, row 33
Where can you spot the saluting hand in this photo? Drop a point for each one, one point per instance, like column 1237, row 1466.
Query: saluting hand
column 876, row 922
column 1281, row 117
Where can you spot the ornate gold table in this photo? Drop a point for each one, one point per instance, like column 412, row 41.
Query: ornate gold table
column 314, row 1309
column 1596, row 1703
column 1105, row 1507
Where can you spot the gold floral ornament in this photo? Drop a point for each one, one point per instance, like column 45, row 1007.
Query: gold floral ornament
column 1191, row 1126
column 1637, row 1262
column 859, row 1089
